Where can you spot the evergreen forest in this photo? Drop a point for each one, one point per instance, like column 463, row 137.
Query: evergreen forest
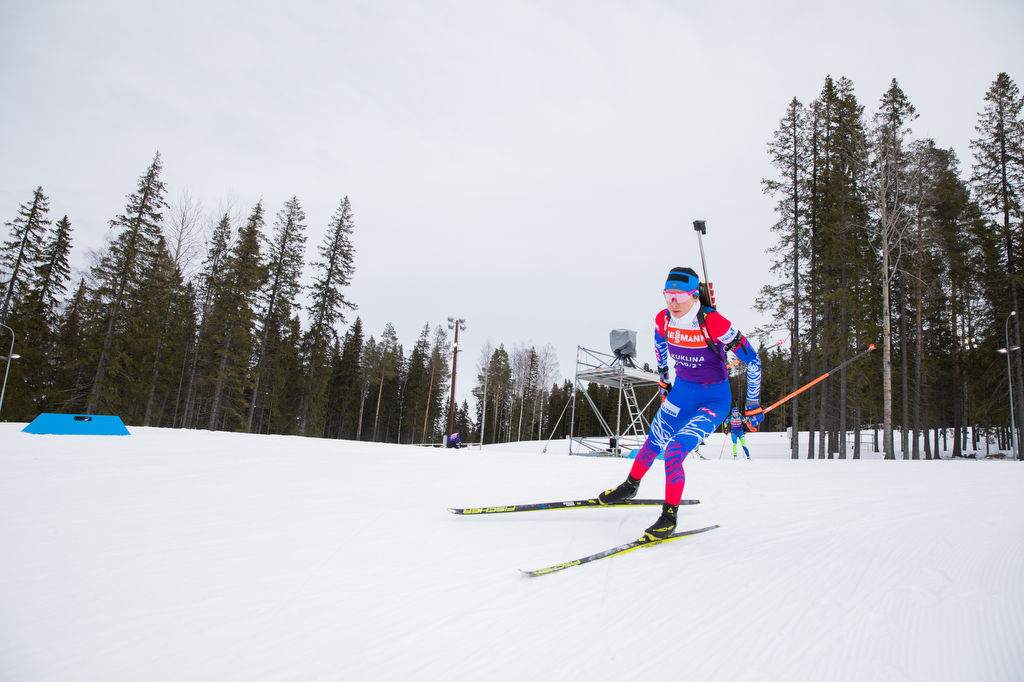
column 881, row 237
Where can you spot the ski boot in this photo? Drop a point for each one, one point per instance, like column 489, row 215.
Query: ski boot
column 625, row 491
column 665, row 525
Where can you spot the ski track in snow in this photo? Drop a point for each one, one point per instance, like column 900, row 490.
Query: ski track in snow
column 187, row 555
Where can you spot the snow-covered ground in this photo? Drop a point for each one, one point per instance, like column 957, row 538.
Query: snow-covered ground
column 189, row 555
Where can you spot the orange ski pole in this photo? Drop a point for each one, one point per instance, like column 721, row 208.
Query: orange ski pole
column 824, row 376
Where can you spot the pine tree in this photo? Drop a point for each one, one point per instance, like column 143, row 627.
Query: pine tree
column 998, row 183
column 440, row 372
column 889, row 187
column 482, row 390
column 385, row 366
column 494, row 392
column 790, row 155
column 119, row 275
column 370, row 360
column 21, row 253
column 284, row 268
column 418, row 386
column 326, row 311
column 925, row 163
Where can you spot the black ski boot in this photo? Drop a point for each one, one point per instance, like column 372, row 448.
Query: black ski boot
column 626, row 491
column 666, row 523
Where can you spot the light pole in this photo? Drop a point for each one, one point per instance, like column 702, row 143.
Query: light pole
column 1009, row 378
column 455, row 324
column 10, row 356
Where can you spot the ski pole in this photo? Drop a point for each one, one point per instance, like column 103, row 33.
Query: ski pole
column 700, row 227
column 819, row 379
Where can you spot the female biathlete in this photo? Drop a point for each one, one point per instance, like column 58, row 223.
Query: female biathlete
column 737, row 428
column 696, row 337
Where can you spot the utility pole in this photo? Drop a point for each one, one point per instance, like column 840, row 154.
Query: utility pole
column 456, row 324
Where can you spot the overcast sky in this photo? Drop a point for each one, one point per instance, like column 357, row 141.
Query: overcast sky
column 532, row 167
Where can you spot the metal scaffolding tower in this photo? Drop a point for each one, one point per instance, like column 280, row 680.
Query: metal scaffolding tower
column 617, row 372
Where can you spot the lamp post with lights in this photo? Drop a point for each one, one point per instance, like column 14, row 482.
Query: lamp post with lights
column 10, row 356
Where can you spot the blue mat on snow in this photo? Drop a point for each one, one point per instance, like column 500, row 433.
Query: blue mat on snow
column 77, row 424
column 636, row 451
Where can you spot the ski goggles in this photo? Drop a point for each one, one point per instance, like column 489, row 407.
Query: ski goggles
column 678, row 296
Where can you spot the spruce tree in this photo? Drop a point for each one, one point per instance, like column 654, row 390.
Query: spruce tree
column 22, row 251
column 71, row 363
column 326, row 310
column 229, row 343
column 35, row 316
column 286, row 375
column 211, row 281
column 284, row 268
column 119, row 276
column 345, row 386
column 165, row 307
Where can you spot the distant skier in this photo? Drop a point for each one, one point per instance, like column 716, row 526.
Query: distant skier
column 695, row 337
column 454, row 441
column 737, row 427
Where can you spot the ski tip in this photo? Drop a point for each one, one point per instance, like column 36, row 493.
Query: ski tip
column 551, row 569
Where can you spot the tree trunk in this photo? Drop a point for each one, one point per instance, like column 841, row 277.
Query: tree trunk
column 376, row 415
column 426, row 412
column 362, row 401
column 904, row 376
column 955, row 388
column 886, row 349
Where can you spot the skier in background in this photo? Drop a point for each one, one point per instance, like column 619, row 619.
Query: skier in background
column 695, row 337
column 454, row 441
column 737, row 427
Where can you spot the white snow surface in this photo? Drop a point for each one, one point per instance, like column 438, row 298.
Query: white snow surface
column 189, row 555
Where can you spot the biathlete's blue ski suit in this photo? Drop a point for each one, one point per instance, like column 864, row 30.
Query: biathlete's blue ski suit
column 700, row 397
column 699, row 400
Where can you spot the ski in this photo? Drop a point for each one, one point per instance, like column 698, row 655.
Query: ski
column 616, row 551
column 567, row 504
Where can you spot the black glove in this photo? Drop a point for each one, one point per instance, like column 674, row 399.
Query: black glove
column 664, row 385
